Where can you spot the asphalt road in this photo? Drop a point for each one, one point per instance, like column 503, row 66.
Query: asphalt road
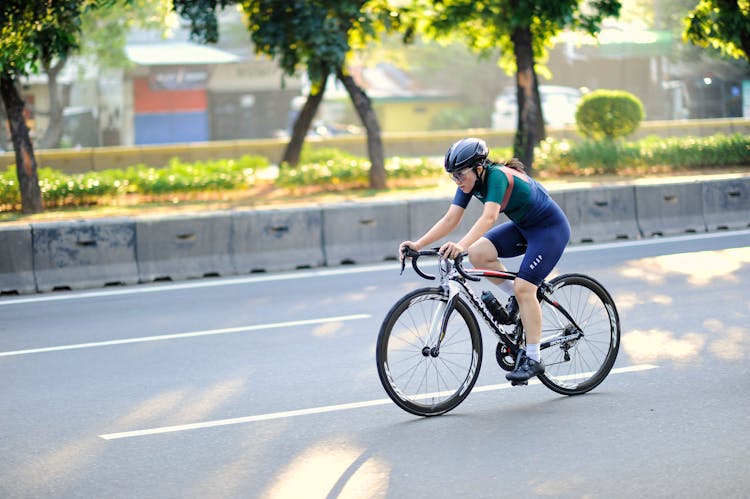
column 265, row 386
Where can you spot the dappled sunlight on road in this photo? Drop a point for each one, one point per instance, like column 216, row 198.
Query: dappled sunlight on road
column 328, row 329
column 179, row 406
column 231, row 479
column 151, row 409
column 716, row 341
column 356, row 296
column 628, row 301
column 657, row 344
column 205, row 403
column 336, row 469
column 713, row 333
column 727, row 343
column 71, row 460
column 700, row 268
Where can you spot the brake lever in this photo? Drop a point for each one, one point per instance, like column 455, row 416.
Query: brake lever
column 457, row 265
column 407, row 252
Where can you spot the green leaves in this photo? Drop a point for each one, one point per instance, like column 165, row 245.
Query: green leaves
column 721, row 24
column 60, row 189
column 590, row 157
column 489, row 24
column 204, row 26
column 38, row 30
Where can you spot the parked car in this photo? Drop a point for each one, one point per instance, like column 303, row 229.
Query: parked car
column 559, row 106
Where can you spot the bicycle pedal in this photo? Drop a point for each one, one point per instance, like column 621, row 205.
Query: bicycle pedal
column 519, row 383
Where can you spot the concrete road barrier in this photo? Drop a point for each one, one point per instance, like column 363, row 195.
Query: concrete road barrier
column 601, row 214
column 269, row 240
column 726, row 204
column 670, row 209
column 423, row 213
column 84, row 254
column 16, row 260
column 184, row 247
column 366, row 232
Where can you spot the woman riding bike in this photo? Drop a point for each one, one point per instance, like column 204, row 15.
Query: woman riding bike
column 537, row 227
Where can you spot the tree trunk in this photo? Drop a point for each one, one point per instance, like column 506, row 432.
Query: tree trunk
column 54, row 132
column 28, row 181
column 302, row 124
column 530, row 130
column 366, row 113
column 3, row 128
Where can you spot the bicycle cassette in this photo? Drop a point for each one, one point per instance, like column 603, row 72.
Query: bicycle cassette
column 504, row 358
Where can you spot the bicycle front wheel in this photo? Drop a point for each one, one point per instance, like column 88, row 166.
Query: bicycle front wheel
column 577, row 360
column 422, row 373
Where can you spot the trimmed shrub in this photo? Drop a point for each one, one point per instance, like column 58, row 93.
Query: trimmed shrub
column 609, row 114
column 595, row 157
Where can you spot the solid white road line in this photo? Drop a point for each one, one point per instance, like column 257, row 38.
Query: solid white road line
column 316, row 410
column 346, row 270
column 193, row 334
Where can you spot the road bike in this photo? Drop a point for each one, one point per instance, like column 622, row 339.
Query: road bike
column 429, row 348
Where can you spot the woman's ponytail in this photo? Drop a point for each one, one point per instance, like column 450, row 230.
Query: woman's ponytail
column 516, row 164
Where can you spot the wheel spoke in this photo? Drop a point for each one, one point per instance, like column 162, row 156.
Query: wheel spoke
column 591, row 356
column 419, row 383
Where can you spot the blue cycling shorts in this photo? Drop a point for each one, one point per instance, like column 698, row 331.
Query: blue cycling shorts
column 543, row 242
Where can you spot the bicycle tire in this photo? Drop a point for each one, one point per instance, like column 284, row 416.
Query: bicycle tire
column 590, row 358
column 415, row 380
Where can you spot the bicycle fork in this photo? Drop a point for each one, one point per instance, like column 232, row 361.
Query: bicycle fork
column 439, row 321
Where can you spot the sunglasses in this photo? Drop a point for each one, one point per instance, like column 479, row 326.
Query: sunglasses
column 459, row 176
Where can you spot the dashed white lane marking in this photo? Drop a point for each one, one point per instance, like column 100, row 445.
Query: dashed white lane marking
column 192, row 334
column 324, row 409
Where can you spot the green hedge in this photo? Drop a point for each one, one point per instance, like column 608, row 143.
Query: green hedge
column 332, row 168
column 60, row 189
column 597, row 157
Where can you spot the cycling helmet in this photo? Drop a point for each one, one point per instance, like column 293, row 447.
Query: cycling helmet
column 465, row 153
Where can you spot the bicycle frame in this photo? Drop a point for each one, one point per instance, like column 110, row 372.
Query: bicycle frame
column 453, row 283
column 428, row 366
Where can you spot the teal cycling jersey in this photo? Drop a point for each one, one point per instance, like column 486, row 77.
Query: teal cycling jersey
column 527, row 196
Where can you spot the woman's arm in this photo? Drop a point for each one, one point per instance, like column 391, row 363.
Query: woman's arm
column 484, row 223
column 442, row 228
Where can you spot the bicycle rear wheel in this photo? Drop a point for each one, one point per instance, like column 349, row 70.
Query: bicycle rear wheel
column 578, row 365
column 417, row 377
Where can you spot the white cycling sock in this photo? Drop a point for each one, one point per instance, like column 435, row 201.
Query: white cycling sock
column 532, row 351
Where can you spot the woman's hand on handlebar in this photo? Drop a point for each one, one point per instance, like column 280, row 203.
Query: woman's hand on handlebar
column 403, row 246
column 451, row 250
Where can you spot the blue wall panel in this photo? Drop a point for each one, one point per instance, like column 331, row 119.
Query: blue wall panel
column 168, row 128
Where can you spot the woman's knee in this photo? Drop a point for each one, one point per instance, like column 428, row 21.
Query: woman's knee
column 482, row 251
column 524, row 289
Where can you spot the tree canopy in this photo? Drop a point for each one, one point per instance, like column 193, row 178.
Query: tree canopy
column 522, row 30
column 33, row 32
column 311, row 36
column 721, row 24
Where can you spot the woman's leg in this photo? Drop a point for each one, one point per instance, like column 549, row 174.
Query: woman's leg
column 499, row 242
column 545, row 247
column 530, row 310
column 483, row 255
